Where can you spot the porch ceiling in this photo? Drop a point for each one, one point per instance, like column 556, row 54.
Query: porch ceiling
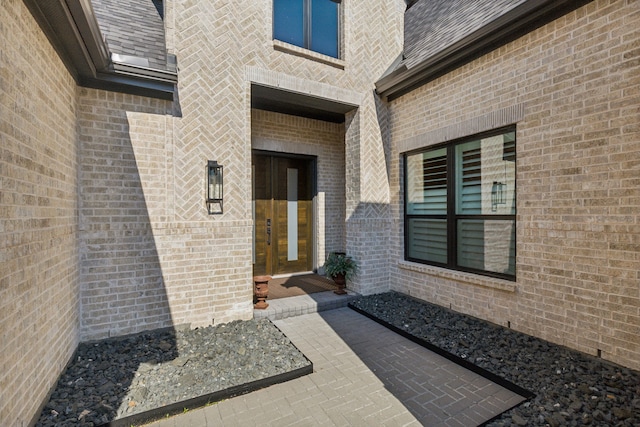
column 298, row 104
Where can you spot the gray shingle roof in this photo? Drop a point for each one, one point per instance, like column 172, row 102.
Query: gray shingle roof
column 133, row 28
column 431, row 26
column 442, row 35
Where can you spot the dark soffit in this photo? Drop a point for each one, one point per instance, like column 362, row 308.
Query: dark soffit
column 298, row 104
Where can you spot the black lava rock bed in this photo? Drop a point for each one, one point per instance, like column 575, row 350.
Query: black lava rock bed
column 568, row 388
column 135, row 379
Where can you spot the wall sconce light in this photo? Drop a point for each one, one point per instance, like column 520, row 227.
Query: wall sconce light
column 214, row 187
column 498, row 194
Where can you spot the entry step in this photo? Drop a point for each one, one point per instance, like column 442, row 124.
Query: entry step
column 283, row 308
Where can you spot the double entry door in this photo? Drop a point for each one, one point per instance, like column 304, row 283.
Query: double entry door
column 283, row 190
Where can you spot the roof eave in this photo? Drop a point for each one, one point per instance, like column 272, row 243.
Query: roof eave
column 116, row 82
column 87, row 25
column 72, row 28
column 510, row 26
column 124, row 69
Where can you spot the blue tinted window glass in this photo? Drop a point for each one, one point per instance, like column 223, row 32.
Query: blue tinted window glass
column 324, row 27
column 288, row 21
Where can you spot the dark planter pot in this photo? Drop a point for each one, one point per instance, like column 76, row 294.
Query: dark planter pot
column 341, row 282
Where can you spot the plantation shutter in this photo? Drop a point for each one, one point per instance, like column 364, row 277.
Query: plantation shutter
column 470, row 187
column 460, row 201
column 428, row 239
column 428, row 195
column 435, row 185
column 470, row 233
column 428, row 235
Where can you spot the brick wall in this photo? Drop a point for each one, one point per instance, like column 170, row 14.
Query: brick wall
column 103, row 193
column 151, row 256
column 125, row 179
column 220, row 59
column 572, row 89
column 368, row 163
column 38, row 226
column 142, row 266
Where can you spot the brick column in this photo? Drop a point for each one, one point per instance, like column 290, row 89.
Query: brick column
column 367, row 196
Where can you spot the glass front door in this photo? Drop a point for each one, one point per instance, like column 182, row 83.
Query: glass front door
column 282, row 214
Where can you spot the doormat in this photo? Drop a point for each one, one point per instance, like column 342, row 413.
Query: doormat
column 299, row 285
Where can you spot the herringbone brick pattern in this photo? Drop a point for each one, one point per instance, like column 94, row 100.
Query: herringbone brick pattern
column 220, row 49
column 215, row 44
column 143, row 210
column 214, row 105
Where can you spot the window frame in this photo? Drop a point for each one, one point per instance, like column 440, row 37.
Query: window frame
column 307, row 20
column 451, row 216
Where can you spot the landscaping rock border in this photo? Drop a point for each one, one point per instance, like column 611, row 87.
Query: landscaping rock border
column 570, row 388
column 122, row 381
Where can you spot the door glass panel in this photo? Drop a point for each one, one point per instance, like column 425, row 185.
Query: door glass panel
column 292, row 214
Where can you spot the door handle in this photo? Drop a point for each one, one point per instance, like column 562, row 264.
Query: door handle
column 268, row 231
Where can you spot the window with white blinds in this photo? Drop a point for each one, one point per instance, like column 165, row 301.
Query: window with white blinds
column 460, row 205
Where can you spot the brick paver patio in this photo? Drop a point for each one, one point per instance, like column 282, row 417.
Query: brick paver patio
column 364, row 375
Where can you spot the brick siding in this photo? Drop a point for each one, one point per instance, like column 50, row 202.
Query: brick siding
column 142, row 266
column 39, row 314
column 151, row 256
column 105, row 232
column 575, row 81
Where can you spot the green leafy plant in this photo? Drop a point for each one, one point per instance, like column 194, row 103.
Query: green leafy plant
column 339, row 263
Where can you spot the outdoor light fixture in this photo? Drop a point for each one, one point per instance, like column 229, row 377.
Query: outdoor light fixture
column 498, row 194
column 214, row 187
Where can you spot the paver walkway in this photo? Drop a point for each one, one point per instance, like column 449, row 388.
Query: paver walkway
column 364, row 375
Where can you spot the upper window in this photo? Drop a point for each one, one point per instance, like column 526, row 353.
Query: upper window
column 460, row 205
column 310, row 24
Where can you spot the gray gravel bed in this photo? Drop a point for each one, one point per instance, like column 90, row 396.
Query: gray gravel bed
column 571, row 388
column 116, row 378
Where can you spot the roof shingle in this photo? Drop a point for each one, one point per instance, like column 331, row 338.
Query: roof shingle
column 134, row 28
column 431, row 26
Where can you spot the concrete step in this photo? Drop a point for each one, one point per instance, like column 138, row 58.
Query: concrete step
column 283, row 308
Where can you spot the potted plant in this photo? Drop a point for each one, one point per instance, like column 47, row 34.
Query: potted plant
column 340, row 268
